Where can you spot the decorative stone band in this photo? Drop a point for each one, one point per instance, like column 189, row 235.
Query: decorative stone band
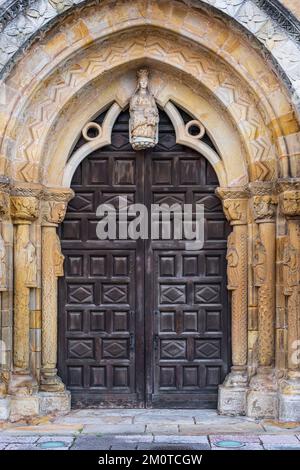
column 54, row 205
column 235, row 204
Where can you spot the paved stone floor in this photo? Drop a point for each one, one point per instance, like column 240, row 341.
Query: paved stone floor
column 149, row 430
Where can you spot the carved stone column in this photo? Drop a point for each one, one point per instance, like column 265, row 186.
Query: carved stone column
column 232, row 394
column 55, row 397
column 4, row 285
column 262, row 397
column 289, row 398
column 24, row 210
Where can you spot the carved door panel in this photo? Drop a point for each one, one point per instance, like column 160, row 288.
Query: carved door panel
column 186, row 306
column 143, row 323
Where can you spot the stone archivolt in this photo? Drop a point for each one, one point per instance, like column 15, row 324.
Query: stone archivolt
column 199, row 63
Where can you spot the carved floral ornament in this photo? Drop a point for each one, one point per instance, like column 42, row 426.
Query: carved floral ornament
column 24, row 208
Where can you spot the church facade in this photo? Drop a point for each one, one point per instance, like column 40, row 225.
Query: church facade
column 152, row 102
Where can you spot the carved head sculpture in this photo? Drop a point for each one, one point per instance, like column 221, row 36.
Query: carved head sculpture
column 58, row 212
column 143, row 79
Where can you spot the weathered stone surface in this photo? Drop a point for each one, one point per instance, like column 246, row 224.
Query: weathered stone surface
column 54, row 402
column 4, row 408
column 24, row 407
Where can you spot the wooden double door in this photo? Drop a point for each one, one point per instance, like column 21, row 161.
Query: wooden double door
column 143, row 322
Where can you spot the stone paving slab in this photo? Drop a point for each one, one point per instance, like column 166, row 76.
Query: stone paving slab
column 67, row 440
column 20, row 447
column 113, row 429
column 215, row 428
column 136, row 437
column 235, row 437
column 173, row 447
column 101, row 420
column 164, row 428
column 59, row 429
column 281, row 440
column 161, row 419
column 11, row 439
column 91, row 443
column 181, row 439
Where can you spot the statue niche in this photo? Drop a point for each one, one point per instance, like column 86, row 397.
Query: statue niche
column 144, row 117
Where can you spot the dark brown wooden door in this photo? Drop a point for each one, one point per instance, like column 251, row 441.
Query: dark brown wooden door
column 143, row 323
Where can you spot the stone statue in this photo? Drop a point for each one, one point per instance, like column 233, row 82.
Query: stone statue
column 259, row 263
column 3, row 266
column 144, row 117
column 232, row 264
column 31, row 268
column 58, row 259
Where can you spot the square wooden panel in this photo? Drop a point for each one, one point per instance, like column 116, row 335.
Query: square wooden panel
column 98, row 377
column 167, row 377
column 98, row 321
column 190, row 322
column 213, row 376
column 71, row 230
column 98, row 171
column 75, row 320
column 121, row 376
column 213, row 320
column 167, row 322
column 207, row 293
column 75, row 376
column 190, row 376
column 162, row 172
column 120, row 266
column 98, row 265
column 189, row 172
column 190, row 265
column 213, row 265
column 120, row 322
column 173, row 349
column 167, row 266
column 124, row 172
column 74, row 265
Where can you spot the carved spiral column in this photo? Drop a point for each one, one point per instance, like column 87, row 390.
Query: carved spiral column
column 289, row 404
column 232, row 396
column 54, row 208
column 262, row 397
column 24, row 210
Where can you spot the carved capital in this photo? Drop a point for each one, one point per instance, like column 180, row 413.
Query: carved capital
column 290, row 203
column 55, row 206
column 264, row 208
column 235, row 203
column 24, row 208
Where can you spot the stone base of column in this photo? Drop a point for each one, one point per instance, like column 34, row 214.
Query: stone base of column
column 24, row 408
column 54, row 402
column 262, row 397
column 4, row 408
column 22, row 384
column 50, row 382
column 232, row 394
column 289, row 398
